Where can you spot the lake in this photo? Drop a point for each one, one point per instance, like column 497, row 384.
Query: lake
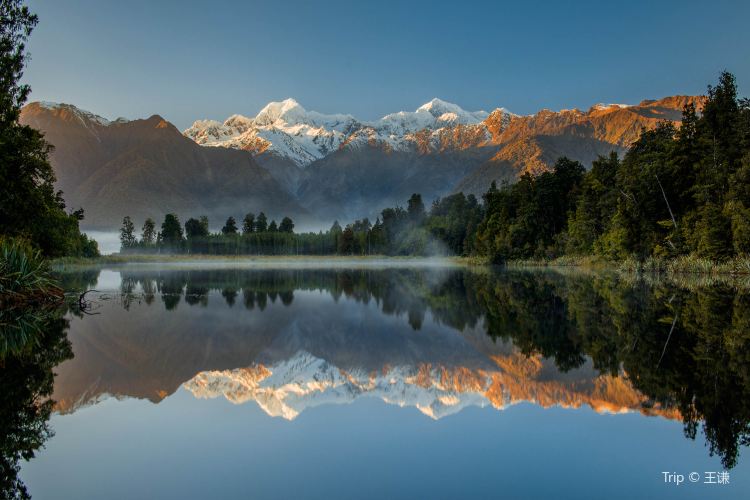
column 388, row 380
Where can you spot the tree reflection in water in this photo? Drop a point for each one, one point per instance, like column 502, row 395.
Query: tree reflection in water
column 684, row 346
column 33, row 343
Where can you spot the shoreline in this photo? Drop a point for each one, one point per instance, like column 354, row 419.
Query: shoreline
column 651, row 272
column 738, row 267
column 684, row 265
column 263, row 261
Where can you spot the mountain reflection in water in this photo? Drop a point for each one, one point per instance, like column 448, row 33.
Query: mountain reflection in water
column 435, row 339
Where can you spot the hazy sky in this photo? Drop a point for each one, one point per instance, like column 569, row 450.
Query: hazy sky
column 187, row 60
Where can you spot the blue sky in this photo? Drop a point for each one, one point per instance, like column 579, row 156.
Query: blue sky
column 188, row 60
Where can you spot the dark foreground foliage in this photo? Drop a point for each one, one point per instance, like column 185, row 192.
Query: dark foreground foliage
column 30, row 207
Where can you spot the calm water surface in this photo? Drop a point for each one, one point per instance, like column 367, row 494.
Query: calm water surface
column 189, row 382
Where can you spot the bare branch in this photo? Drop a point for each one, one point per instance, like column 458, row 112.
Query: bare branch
column 667, row 201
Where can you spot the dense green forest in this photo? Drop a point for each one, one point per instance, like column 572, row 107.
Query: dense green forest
column 678, row 191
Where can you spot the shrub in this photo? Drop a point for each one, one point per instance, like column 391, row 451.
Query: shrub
column 24, row 275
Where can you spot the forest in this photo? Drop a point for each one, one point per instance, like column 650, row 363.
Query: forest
column 678, row 191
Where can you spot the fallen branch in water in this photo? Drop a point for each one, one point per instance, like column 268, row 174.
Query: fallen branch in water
column 85, row 305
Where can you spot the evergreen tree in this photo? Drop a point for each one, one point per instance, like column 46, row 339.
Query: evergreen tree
column 127, row 233
column 171, row 231
column 595, row 206
column 415, row 209
column 685, row 160
column 721, row 123
column 335, row 235
column 346, row 242
column 230, row 227
column 261, row 224
column 194, row 228
column 714, row 236
column 272, row 227
column 248, row 223
column 361, row 229
column 377, row 237
column 395, row 221
column 148, row 232
column 286, row 226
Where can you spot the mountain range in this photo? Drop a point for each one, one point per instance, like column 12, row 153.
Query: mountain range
column 147, row 168
column 289, row 387
column 317, row 167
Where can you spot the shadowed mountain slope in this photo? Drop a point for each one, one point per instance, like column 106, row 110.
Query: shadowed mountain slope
column 146, row 168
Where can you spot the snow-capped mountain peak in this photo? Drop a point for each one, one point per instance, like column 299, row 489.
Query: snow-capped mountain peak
column 286, row 129
column 287, row 111
column 437, row 107
column 431, row 115
column 282, row 128
column 452, row 113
